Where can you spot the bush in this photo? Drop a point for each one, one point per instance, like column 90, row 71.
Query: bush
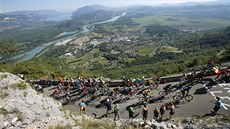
column 58, row 126
column 3, row 76
column 3, row 94
column 20, row 86
column 88, row 124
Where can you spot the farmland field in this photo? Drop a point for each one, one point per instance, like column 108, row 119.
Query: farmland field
column 181, row 21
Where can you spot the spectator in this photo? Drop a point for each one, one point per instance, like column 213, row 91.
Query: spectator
column 116, row 112
column 172, row 110
column 156, row 113
column 162, row 110
column 131, row 113
column 108, row 105
column 145, row 112
column 217, row 106
column 82, row 107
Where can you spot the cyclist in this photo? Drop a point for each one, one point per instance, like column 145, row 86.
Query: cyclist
column 146, row 93
column 117, row 89
column 143, row 81
column 124, row 81
column 210, row 64
column 102, row 82
column 84, row 89
column 183, row 78
column 78, row 84
column 167, row 88
column 185, row 89
column 131, row 90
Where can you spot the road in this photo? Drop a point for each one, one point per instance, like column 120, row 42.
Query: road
column 201, row 104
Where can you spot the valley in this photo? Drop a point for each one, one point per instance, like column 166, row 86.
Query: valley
column 141, row 42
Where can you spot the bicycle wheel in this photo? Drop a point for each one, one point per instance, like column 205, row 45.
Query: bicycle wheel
column 188, row 97
column 141, row 99
column 177, row 98
column 172, row 93
column 98, row 98
column 136, row 95
column 162, row 93
column 152, row 98
column 89, row 96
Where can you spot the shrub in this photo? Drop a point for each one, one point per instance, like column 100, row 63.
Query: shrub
column 20, row 86
column 3, row 94
column 58, row 126
column 25, row 94
column 3, row 76
column 88, row 124
column 3, row 111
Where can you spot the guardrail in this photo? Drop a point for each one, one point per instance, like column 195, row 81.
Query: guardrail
column 114, row 83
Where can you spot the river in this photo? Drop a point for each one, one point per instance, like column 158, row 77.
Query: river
column 32, row 53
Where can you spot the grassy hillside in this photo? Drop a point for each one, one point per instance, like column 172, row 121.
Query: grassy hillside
column 182, row 21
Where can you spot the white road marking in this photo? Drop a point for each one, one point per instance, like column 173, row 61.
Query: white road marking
column 214, row 92
column 224, row 106
column 227, row 89
column 224, row 85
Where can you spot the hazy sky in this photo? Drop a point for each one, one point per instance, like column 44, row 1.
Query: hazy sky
column 15, row 5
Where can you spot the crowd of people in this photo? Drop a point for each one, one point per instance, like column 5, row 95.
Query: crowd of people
column 91, row 86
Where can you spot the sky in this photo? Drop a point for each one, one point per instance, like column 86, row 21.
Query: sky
column 60, row 5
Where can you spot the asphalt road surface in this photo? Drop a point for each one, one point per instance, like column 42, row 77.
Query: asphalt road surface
column 203, row 93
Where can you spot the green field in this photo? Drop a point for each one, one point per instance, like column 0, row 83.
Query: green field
column 89, row 57
column 147, row 51
column 181, row 21
column 170, row 49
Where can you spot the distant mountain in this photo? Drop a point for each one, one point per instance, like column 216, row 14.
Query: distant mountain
column 219, row 2
column 89, row 9
column 41, row 13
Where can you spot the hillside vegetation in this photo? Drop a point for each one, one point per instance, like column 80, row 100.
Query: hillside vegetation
column 196, row 51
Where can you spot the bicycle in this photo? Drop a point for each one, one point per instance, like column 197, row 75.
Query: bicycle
column 66, row 98
column 179, row 96
column 146, row 98
column 95, row 96
column 167, row 91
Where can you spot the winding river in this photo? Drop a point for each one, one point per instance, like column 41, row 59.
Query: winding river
column 32, row 53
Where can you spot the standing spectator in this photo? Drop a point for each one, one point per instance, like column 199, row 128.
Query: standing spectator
column 145, row 112
column 108, row 105
column 217, row 106
column 158, row 81
column 82, row 106
column 162, row 110
column 156, row 113
column 131, row 112
column 171, row 110
column 116, row 112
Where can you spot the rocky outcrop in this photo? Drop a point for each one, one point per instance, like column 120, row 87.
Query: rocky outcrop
column 22, row 107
